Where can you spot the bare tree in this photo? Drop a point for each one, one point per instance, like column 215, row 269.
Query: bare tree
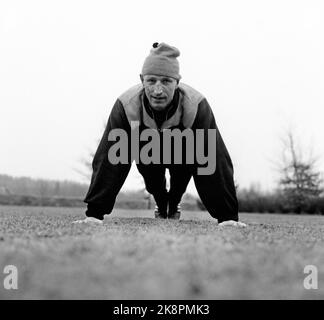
column 86, row 170
column 300, row 181
column 86, row 162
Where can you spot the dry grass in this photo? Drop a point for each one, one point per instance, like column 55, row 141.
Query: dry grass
column 133, row 256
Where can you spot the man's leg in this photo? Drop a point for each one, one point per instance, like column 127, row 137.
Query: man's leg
column 179, row 178
column 155, row 183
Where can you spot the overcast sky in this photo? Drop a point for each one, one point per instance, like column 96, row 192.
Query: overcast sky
column 63, row 64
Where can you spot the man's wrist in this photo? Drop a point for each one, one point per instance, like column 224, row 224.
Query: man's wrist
column 95, row 211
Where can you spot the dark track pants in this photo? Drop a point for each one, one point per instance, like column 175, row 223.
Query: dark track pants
column 155, row 182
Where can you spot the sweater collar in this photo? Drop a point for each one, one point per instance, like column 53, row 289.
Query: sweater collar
column 164, row 115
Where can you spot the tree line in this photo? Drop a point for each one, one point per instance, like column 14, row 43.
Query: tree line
column 41, row 187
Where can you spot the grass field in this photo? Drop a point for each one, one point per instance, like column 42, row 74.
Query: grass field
column 133, row 256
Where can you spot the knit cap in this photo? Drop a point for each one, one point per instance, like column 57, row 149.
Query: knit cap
column 162, row 61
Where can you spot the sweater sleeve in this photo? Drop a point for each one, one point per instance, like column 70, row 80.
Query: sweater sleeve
column 107, row 178
column 216, row 190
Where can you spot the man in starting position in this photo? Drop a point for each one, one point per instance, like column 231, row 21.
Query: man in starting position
column 159, row 109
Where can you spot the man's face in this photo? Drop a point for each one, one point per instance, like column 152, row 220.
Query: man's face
column 159, row 90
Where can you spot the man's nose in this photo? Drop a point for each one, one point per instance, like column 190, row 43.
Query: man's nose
column 158, row 89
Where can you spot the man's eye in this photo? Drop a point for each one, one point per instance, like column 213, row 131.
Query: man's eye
column 166, row 81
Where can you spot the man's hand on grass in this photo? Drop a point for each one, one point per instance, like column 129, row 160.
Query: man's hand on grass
column 89, row 220
column 232, row 223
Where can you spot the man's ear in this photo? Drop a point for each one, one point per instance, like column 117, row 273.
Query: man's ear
column 142, row 78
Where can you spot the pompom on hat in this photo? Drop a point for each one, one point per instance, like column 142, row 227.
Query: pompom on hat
column 162, row 61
